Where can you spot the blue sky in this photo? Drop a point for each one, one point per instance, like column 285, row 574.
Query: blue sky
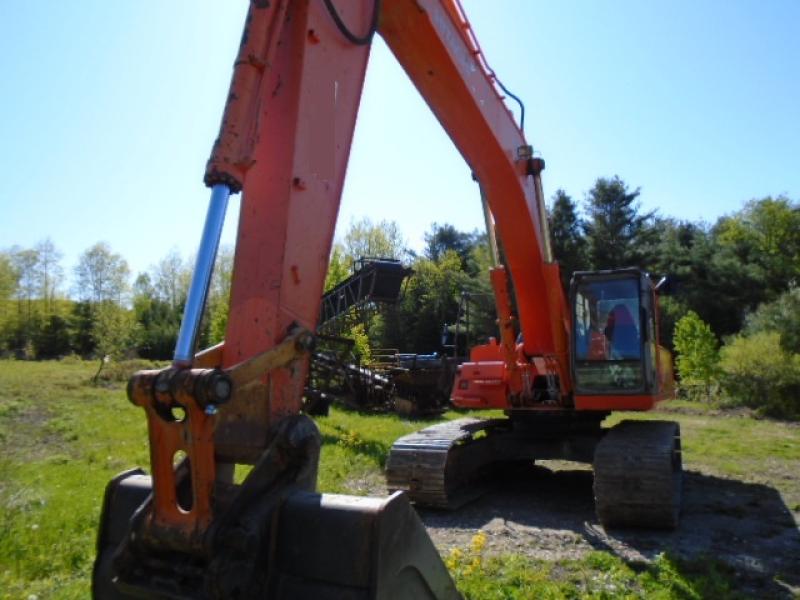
column 108, row 111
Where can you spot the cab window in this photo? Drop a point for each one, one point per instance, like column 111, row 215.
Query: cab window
column 607, row 336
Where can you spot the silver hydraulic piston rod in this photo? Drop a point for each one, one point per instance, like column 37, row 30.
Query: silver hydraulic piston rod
column 201, row 277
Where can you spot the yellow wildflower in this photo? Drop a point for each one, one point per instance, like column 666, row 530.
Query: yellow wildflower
column 478, row 542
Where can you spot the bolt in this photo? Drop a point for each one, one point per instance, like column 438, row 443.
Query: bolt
column 222, row 389
column 214, row 388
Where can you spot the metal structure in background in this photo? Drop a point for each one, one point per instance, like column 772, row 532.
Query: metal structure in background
column 411, row 384
column 374, row 281
column 335, row 373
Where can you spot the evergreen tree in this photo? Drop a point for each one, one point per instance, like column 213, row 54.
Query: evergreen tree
column 54, row 338
column 158, row 320
column 442, row 238
column 617, row 235
column 569, row 245
column 81, row 324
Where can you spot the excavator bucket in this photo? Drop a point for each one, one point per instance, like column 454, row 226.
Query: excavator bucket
column 274, row 540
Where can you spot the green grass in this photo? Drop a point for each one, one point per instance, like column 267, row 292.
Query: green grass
column 599, row 575
column 62, row 439
column 734, row 445
column 355, row 447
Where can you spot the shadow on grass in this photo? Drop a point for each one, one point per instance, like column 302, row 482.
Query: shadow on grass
column 742, row 532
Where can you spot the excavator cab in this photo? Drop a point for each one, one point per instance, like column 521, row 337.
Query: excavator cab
column 615, row 352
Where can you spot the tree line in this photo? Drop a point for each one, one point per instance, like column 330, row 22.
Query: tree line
column 733, row 278
column 105, row 313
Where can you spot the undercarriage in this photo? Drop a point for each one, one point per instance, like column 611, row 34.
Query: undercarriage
column 637, row 464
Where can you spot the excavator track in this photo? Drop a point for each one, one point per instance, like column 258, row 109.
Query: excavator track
column 440, row 466
column 638, row 475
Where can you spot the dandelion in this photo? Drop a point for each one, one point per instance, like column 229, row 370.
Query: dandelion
column 474, row 565
column 350, row 439
column 454, row 559
column 478, row 542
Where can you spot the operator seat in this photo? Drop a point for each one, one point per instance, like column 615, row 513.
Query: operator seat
column 622, row 333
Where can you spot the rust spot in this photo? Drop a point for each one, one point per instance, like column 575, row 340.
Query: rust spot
column 295, row 275
column 298, row 184
column 313, row 38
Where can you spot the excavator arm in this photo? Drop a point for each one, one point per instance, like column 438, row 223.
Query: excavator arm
column 285, row 139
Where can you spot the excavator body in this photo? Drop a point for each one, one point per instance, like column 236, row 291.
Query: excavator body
column 615, row 363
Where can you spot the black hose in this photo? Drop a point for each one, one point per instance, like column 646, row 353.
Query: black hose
column 521, row 105
column 357, row 40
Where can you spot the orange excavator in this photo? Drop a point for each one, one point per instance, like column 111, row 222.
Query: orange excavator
column 229, row 509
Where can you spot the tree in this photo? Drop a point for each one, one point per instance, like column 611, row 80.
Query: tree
column 158, row 321
column 617, row 235
column 81, row 324
column 765, row 235
column 442, row 238
column 171, row 279
column 698, row 358
column 569, row 245
column 113, row 331
column 54, row 338
column 26, row 264
column 9, row 280
column 101, row 274
column 49, row 271
column 219, row 295
column 757, row 372
column 339, row 267
column 9, row 277
column 143, row 287
column 430, row 301
column 781, row 316
column 378, row 240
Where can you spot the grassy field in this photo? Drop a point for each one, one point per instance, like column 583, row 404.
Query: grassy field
column 62, row 439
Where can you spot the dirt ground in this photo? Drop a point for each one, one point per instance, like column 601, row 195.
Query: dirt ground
column 547, row 512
